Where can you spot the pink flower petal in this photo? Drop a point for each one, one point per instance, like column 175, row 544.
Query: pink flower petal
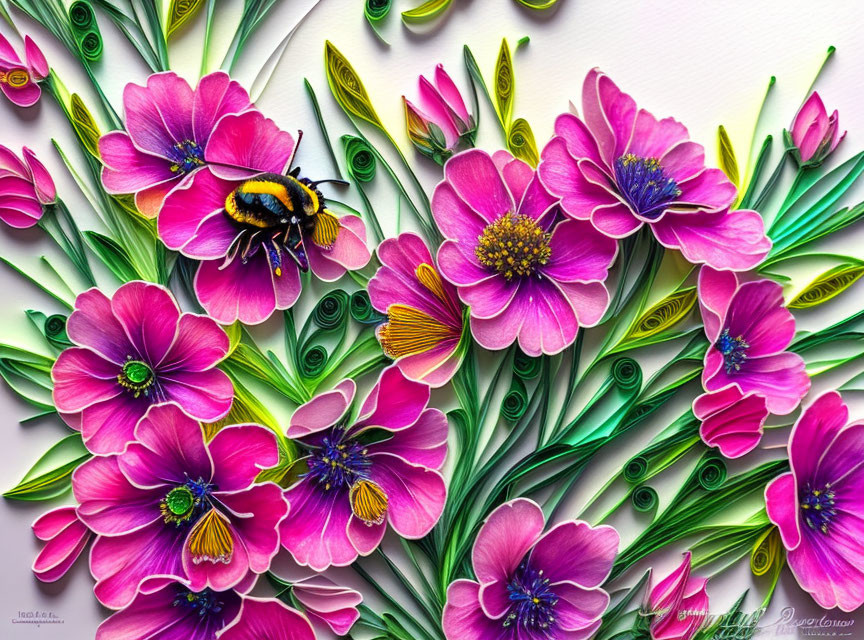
column 44, row 185
column 653, row 138
column 239, row 454
column 579, row 253
column 475, row 178
column 188, row 205
column 200, row 343
column 128, row 169
column 464, row 618
column 576, row 552
column 415, row 494
column 322, row 411
column 716, row 289
column 35, row 58
column 505, row 538
column 149, row 315
column 240, row 291
column 423, row 443
column 83, row 378
column 561, row 174
column 394, row 403
column 271, row 619
column 251, row 143
column 215, row 96
column 108, row 426
column 731, row 421
column 205, row 395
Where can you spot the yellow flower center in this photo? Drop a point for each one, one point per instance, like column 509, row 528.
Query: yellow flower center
column 514, row 246
column 16, row 78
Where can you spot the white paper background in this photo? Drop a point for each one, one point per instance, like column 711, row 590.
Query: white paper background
column 705, row 63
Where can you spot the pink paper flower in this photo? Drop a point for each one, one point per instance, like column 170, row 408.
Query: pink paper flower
column 358, row 476
column 814, row 134
column 818, row 505
column 424, row 317
column 442, row 124
column 169, row 127
column 134, row 350
column 252, row 262
column 749, row 329
column 530, row 584
column 65, row 537
column 174, row 507
column 621, row 168
column 679, row 603
column 19, row 81
column 328, row 604
column 262, row 618
column 487, row 204
column 173, row 612
column 26, row 188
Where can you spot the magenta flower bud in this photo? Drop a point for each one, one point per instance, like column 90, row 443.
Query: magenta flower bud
column 441, row 124
column 814, row 134
column 26, row 188
column 19, row 79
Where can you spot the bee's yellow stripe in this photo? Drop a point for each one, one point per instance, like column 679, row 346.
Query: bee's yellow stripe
column 314, row 204
column 269, row 187
column 210, row 539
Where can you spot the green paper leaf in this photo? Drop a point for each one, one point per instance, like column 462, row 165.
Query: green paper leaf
column 84, row 124
column 112, row 255
column 728, row 162
column 538, row 4
column 651, row 326
column 179, row 12
column 521, row 142
column 830, row 284
column 51, row 476
column 426, row 11
column 504, row 85
column 347, row 87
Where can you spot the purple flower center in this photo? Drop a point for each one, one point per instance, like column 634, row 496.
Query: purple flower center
column 734, row 350
column 186, row 502
column 514, row 246
column 644, row 185
column 187, row 156
column 338, row 462
column 136, row 376
column 205, row 603
column 532, row 603
column 817, row 505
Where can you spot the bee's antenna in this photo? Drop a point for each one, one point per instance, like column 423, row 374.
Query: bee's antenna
column 294, row 152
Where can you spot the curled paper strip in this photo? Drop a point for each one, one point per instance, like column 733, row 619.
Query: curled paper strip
column 81, row 15
column 360, row 158
column 525, row 366
column 520, row 141
column 644, row 499
column 711, row 473
column 767, row 552
column 635, row 469
column 377, row 10
column 362, row 310
column 515, row 403
column 313, row 360
column 331, row 311
column 85, row 29
column 180, row 12
column 55, row 331
column 627, row 374
column 84, row 124
column 347, row 87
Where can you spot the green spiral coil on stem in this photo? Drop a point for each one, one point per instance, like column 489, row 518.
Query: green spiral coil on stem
column 635, row 469
column 515, row 403
column 360, row 158
column 91, row 45
column 526, row 367
column 55, row 331
column 362, row 310
column 711, row 473
column 627, row 374
column 313, row 360
column 331, row 312
column 81, row 15
column 644, row 498
column 377, row 10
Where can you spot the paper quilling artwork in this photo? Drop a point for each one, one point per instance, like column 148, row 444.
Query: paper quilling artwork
column 431, row 321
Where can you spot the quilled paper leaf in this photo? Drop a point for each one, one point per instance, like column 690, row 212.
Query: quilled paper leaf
column 84, row 124
column 727, row 156
column 51, row 476
column 767, row 552
column 179, row 12
column 521, row 142
column 377, row 10
column 504, row 84
column 663, row 315
column 538, row 4
column 347, row 87
column 426, row 11
column 828, row 285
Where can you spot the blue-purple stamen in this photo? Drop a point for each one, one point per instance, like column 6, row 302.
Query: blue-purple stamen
column 532, row 607
column 185, row 503
column 817, row 505
column 734, row 350
column 645, row 185
column 338, row 462
column 204, row 602
column 187, row 156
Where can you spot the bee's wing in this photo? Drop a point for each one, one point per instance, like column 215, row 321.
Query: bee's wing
column 326, row 229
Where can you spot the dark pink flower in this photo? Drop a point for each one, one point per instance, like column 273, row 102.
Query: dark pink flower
column 169, row 127
column 250, row 269
column 328, row 604
column 621, row 168
column 818, row 506
column 19, row 81
column 65, row 537
column 487, row 204
column 26, row 188
column 388, row 471
column 174, row 507
column 134, row 350
column 173, row 612
column 268, row 619
column 732, row 421
column 424, row 318
column 532, row 584
column 679, row 603
column 814, row 134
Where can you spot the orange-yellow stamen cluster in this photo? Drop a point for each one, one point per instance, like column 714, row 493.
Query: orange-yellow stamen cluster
column 16, row 78
column 410, row 331
column 514, row 246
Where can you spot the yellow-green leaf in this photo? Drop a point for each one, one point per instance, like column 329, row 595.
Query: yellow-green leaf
column 179, row 12
column 51, row 476
column 504, row 84
column 84, row 124
column 727, row 156
column 347, row 87
column 829, row 284
column 521, row 142
column 662, row 316
column 538, row 4
column 767, row 552
column 426, row 11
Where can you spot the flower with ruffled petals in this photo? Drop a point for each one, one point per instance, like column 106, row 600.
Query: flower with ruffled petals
column 621, row 168
column 679, row 604
column 814, row 134
column 65, row 537
column 523, row 274
column 818, row 505
column 262, row 618
column 168, row 128
column 327, row 604
column 442, row 124
column 26, row 188
column 19, row 81
column 532, row 584
column 173, row 611
column 172, row 506
column 356, row 477
column 747, row 373
column 134, row 350
column 424, row 318
column 252, row 263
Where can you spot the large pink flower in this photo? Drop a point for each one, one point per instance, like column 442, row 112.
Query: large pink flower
column 679, row 603
column 262, row 618
column 358, row 476
column 169, row 127
column 250, row 269
column 490, row 207
column 530, row 584
column 749, row 329
column 174, row 507
column 424, row 317
column 134, row 350
column 19, row 80
column 621, row 168
column 26, row 188
column 65, row 537
column 819, row 505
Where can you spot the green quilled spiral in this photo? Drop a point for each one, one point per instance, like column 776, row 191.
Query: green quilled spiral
column 377, row 10
column 644, row 499
column 331, row 311
column 525, row 366
column 85, row 29
column 515, row 402
column 360, row 159
column 55, row 331
column 362, row 310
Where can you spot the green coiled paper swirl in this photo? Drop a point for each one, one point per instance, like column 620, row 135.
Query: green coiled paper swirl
column 377, row 10
column 313, row 360
column 526, row 367
column 627, row 374
column 515, row 403
column 644, row 498
column 362, row 310
column 91, row 45
column 767, row 552
column 635, row 469
column 360, row 158
column 81, row 15
column 55, row 331
column 711, row 473
column 332, row 310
